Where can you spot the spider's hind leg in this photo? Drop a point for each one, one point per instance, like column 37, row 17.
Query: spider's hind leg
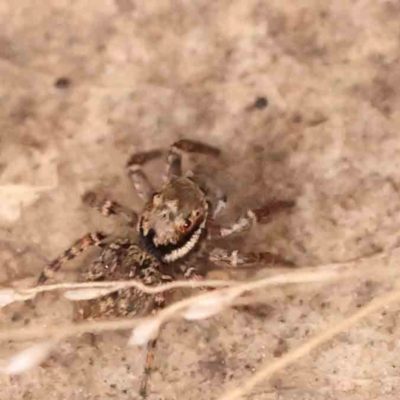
column 151, row 346
column 89, row 240
column 190, row 273
column 235, row 259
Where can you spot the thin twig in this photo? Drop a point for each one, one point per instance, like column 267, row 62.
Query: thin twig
column 15, row 294
column 306, row 347
column 123, row 284
column 166, row 314
column 117, row 285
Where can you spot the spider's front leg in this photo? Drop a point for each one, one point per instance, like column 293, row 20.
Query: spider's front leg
column 174, row 158
column 139, row 179
column 258, row 215
column 89, row 240
column 109, row 207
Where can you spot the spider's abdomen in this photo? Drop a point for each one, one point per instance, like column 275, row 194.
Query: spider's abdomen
column 120, row 260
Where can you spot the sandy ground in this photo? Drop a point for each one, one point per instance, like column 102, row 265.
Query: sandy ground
column 86, row 83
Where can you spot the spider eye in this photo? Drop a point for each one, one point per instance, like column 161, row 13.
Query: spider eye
column 187, row 223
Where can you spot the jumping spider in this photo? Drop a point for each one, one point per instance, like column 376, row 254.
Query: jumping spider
column 173, row 227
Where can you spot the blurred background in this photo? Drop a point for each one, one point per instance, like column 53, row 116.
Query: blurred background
column 302, row 99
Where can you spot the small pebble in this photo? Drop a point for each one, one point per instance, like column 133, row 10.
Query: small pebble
column 62, row 83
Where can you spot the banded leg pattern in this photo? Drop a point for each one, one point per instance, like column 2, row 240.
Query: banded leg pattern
column 89, row 240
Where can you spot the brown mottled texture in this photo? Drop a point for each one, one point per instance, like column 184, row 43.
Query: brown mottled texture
column 144, row 74
column 123, row 259
column 172, row 227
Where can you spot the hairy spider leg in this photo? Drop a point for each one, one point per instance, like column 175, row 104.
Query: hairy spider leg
column 174, row 168
column 174, row 158
column 139, row 179
column 109, row 207
column 237, row 259
column 151, row 347
column 258, row 215
column 89, row 240
column 190, row 274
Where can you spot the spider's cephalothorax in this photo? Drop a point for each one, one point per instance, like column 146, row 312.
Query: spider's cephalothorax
column 174, row 220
